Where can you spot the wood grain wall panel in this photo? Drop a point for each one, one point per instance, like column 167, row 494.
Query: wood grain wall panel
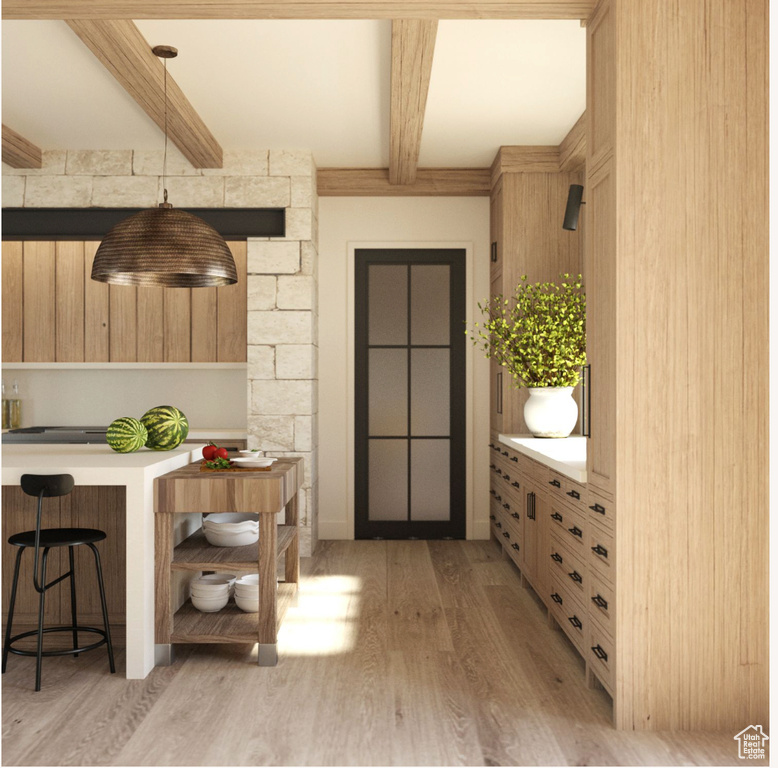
column 39, row 311
column 70, row 301
column 151, row 324
column 178, row 325
column 232, row 312
column 12, row 301
column 601, row 105
column 96, row 312
column 204, row 328
column 123, row 323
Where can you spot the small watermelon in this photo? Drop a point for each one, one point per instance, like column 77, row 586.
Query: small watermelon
column 126, row 435
column 167, row 428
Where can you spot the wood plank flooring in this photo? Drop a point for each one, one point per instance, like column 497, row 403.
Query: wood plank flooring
column 397, row 653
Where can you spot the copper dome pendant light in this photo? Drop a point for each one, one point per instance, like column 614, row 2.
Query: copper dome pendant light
column 164, row 246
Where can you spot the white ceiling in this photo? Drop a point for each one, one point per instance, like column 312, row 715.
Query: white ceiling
column 319, row 85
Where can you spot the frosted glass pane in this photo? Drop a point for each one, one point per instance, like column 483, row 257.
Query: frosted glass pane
column 387, row 301
column 388, row 480
column 430, row 386
column 430, row 470
column 388, row 392
column 429, row 304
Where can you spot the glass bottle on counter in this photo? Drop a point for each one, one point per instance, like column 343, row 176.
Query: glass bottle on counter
column 6, row 410
column 15, row 408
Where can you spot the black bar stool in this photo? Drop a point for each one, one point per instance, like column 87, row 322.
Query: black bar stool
column 54, row 485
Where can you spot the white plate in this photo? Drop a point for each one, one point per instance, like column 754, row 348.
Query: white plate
column 254, row 461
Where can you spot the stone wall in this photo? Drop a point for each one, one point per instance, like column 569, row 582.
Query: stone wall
column 282, row 272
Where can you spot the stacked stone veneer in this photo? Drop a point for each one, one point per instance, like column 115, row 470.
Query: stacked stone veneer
column 282, row 272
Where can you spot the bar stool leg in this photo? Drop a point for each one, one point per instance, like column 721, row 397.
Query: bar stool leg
column 104, row 606
column 7, row 644
column 73, row 611
column 39, row 658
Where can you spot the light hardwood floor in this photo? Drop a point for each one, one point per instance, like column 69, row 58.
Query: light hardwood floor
column 398, row 653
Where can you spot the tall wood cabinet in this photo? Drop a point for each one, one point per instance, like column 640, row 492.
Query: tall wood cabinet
column 54, row 312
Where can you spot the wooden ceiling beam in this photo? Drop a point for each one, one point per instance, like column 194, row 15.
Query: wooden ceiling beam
column 124, row 52
column 413, row 45
column 297, row 9
column 572, row 150
column 18, row 152
column 374, row 182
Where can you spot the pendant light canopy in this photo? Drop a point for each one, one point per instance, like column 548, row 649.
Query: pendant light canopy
column 164, row 246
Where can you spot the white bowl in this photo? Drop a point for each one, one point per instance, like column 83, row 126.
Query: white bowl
column 216, row 578
column 247, row 605
column 210, row 604
column 250, row 579
column 229, row 539
column 247, row 591
column 247, row 527
column 254, row 462
column 231, row 518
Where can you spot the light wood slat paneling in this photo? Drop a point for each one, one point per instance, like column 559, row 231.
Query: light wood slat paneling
column 525, row 159
column 151, row 324
column 178, row 325
column 123, row 323
column 96, row 312
column 39, row 302
column 367, row 182
column 231, row 319
column 204, row 328
column 413, row 46
column 298, row 9
column 19, row 152
column 12, row 301
column 572, row 150
column 122, row 49
column 69, row 273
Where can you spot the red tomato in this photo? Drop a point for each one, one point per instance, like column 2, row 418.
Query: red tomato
column 209, row 452
column 221, row 453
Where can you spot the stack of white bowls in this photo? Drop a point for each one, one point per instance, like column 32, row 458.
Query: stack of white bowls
column 231, row 529
column 247, row 593
column 212, row 592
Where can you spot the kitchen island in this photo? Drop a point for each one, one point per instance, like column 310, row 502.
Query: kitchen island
column 98, row 465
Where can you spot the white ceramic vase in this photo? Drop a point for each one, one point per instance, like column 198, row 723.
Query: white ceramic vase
column 550, row 411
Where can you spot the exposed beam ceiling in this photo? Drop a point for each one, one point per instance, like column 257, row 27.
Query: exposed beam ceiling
column 359, row 182
column 123, row 50
column 18, row 152
column 298, row 9
column 413, row 44
column 572, row 150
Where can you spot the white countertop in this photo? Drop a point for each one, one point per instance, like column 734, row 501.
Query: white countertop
column 567, row 455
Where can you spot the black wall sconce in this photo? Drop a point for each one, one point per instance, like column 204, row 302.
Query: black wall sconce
column 573, row 208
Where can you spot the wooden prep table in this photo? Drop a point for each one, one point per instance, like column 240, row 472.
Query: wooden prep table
column 188, row 490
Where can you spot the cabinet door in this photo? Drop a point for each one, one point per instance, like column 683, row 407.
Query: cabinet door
column 123, row 323
column 69, row 272
column 497, row 375
column 600, row 329
column 39, row 320
column 13, row 272
column 96, row 311
column 531, row 528
column 231, row 304
column 496, row 227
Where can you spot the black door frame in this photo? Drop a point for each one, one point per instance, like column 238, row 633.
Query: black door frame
column 455, row 527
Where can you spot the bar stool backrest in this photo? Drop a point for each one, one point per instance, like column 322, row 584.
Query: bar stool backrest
column 47, row 485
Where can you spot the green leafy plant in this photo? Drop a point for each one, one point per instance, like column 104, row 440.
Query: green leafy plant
column 538, row 334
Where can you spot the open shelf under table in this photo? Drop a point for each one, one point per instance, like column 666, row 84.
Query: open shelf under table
column 229, row 625
column 196, row 554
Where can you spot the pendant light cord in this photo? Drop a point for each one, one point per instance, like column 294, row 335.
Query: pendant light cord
column 164, row 156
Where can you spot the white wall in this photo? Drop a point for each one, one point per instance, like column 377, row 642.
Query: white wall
column 211, row 399
column 417, row 221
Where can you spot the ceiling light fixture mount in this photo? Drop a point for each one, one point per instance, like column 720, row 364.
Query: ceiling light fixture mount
column 164, row 246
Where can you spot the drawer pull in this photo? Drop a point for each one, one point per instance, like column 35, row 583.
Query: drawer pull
column 575, row 621
column 574, row 494
column 499, row 498
column 557, row 516
column 515, row 484
column 515, row 458
column 499, row 525
column 498, row 471
column 491, row 445
column 506, row 506
column 495, row 448
column 576, row 577
column 506, row 534
column 556, row 598
column 491, row 466
column 600, row 550
column 600, row 601
column 492, row 491
column 515, row 546
column 506, row 477
column 556, row 557
column 576, row 531
column 492, row 517
column 599, row 652
column 504, row 453
column 555, row 483
column 598, row 508
column 515, row 514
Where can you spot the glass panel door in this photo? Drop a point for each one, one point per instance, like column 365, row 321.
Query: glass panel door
column 410, row 393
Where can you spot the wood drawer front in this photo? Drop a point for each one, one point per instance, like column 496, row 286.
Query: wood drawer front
column 601, row 510
column 570, row 614
column 569, row 568
column 602, row 552
column 602, row 603
column 571, row 525
column 600, row 655
column 511, row 541
column 566, row 489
